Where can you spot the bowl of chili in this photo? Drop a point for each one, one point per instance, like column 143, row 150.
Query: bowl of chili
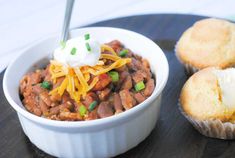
column 106, row 137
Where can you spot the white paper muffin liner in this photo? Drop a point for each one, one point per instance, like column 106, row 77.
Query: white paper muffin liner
column 212, row 128
column 189, row 69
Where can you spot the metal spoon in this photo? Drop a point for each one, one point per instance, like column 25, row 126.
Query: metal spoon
column 67, row 18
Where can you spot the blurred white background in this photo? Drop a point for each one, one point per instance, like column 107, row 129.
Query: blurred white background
column 25, row 21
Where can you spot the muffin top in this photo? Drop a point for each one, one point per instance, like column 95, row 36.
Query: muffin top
column 209, row 42
column 210, row 94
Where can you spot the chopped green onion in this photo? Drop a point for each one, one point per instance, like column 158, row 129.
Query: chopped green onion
column 46, row 85
column 82, row 110
column 139, row 86
column 87, row 36
column 62, row 44
column 88, row 47
column 73, row 51
column 114, row 75
column 123, row 53
column 92, row 105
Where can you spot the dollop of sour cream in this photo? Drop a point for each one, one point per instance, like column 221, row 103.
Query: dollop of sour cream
column 78, row 52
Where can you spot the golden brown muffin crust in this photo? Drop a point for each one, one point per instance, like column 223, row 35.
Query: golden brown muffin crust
column 209, row 42
column 201, row 97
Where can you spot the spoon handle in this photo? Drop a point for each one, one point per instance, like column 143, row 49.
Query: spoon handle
column 67, row 17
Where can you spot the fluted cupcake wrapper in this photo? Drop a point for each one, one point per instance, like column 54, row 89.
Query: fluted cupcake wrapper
column 212, row 128
column 189, row 69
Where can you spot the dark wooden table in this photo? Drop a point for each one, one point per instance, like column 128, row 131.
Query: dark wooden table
column 173, row 135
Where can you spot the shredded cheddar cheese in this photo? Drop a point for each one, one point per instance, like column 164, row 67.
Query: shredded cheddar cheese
column 108, row 48
column 78, row 81
column 109, row 56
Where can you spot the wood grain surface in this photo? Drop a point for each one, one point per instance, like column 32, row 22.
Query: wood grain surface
column 173, row 135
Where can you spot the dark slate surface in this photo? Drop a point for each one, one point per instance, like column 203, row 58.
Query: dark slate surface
column 173, row 136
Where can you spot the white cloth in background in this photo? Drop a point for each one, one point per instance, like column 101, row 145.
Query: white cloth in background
column 25, row 21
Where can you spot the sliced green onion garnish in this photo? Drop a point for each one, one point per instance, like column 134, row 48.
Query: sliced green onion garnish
column 139, row 86
column 114, row 75
column 73, row 51
column 92, row 105
column 123, row 53
column 82, row 110
column 46, row 85
column 87, row 36
column 62, row 44
column 88, row 47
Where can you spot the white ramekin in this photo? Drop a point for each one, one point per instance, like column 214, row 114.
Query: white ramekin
column 97, row 138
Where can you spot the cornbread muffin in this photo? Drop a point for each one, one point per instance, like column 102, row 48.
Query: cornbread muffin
column 209, row 42
column 208, row 102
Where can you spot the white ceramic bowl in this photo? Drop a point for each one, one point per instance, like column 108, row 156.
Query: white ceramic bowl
column 97, row 138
